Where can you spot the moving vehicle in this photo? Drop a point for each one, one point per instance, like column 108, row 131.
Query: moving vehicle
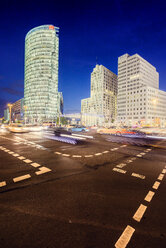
column 17, row 128
column 61, row 130
column 79, row 129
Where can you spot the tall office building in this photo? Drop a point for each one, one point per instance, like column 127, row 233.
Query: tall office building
column 17, row 111
column 100, row 109
column 41, row 74
column 139, row 99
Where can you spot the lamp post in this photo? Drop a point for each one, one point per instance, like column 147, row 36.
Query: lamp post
column 10, row 111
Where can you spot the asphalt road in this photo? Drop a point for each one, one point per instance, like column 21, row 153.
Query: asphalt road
column 104, row 192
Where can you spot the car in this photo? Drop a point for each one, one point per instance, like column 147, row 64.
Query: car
column 17, row 128
column 61, row 130
column 79, row 129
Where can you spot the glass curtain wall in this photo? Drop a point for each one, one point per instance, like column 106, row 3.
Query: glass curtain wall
column 41, row 74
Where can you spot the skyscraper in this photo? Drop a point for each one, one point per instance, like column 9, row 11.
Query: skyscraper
column 100, row 109
column 139, row 99
column 41, row 74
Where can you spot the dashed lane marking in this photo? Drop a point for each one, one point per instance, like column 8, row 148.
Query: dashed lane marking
column 35, row 165
column 119, row 170
column 156, row 185
column 121, row 165
column 15, row 154
column 76, row 156
column 138, row 175
column 105, row 152
column 160, row 177
column 17, row 179
column 2, row 184
column 134, row 158
column 28, row 161
column 139, row 155
column 129, row 161
column 21, row 157
column 10, row 152
column 123, row 145
column 139, row 213
column 125, row 237
column 65, row 155
column 98, row 154
column 164, row 171
column 142, row 153
column 42, row 170
column 58, row 153
column 149, row 196
column 88, row 156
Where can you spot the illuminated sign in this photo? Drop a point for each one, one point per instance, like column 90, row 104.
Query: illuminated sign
column 51, row 27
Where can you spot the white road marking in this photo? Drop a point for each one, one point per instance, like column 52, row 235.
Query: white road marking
column 139, row 213
column 125, row 237
column 15, row 154
column 134, row 158
column 149, row 196
column 76, row 156
column 65, row 155
column 105, row 152
column 2, row 184
column 138, row 175
column 98, row 154
column 42, row 170
column 17, row 179
column 7, row 150
column 88, row 156
column 35, row 164
column 129, row 161
column 139, row 155
column 142, row 153
column 58, row 153
column 27, row 161
column 10, row 152
column 160, row 177
column 123, row 145
column 72, row 137
column 21, row 157
column 81, row 135
column 156, row 185
column 164, row 171
column 148, row 150
column 114, row 149
column 119, row 170
column 120, row 165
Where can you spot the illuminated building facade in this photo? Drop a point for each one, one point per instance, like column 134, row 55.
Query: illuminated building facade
column 101, row 108
column 139, row 99
column 17, row 110
column 41, row 74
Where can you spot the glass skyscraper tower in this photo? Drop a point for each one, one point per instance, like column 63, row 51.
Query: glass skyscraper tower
column 41, row 74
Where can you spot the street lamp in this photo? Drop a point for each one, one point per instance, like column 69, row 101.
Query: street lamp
column 10, row 111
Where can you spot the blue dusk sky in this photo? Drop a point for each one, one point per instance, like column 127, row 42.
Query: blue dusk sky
column 88, row 30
